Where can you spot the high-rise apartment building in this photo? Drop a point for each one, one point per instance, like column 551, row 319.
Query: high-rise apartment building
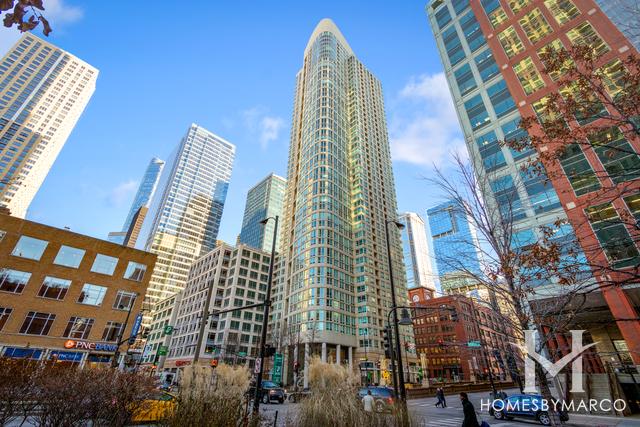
column 140, row 206
column 340, row 193
column 455, row 246
column 43, row 92
column 416, row 252
column 491, row 51
column 264, row 200
column 187, row 210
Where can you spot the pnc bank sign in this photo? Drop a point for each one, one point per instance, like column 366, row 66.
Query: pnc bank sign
column 85, row 345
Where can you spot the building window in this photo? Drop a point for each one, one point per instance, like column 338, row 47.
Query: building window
column 460, row 5
column 104, row 264
column 464, row 79
column 13, row 281
column 510, row 42
column 69, row 257
column 112, row 331
column 613, row 77
column 501, row 99
column 54, row 288
column 490, row 151
column 135, row 271
column 578, row 170
column 563, row 11
column 477, row 113
column 92, row 294
column 541, row 193
column 4, row 316
column 513, row 133
column 471, row 30
column 124, row 300
column 452, row 45
column 78, row 328
column 507, row 198
column 37, row 323
column 30, row 248
column 516, row 5
column 497, row 17
column 443, row 17
column 487, row 66
column 616, row 155
column 613, row 236
column 534, row 25
column 528, row 75
column 585, row 35
column 633, row 203
column 552, row 49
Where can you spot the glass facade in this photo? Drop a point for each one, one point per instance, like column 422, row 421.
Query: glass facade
column 145, row 191
column 416, row 253
column 340, row 192
column 623, row 13
column 43, row 91
column 455, row 244
column 264, row 200
column 185, row 214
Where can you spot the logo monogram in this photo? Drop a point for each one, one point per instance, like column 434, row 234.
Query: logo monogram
column 553, row 369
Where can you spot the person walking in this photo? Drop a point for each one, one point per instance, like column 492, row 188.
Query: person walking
column 443, row 398
column 470, row 419
column 439, row 397
column 368, row 401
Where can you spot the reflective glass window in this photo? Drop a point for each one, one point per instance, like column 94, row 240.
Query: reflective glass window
column 69, row 256
column 528, row 75
column 78, row 328
column 613, row 235
column 487, row 66
column 92, row 294
column 464, row 79
column 563, row 11
column 585, row 35
column 510, row 41
column 534, row 25
column 104, row 264
column 13, row 281
column 54, row 288
column 501, row 98
column 37, row 323
column 135, row 271
column 29, row 247
column 477, row 113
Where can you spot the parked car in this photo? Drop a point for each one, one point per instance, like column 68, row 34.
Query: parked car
column 155, row 408
column 523, row 406
column 383, row 397
column 270, row 391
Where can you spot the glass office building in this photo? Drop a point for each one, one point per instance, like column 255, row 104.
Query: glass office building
column 340, row 192
column 625, row 14
column 185, row 215
column 455, row 245
column 416, row 252
column 264, row 200
column 142, row 199
column 43, row 92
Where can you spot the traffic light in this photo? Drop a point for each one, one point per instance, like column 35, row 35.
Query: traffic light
column 454, row 315
column 386, row 336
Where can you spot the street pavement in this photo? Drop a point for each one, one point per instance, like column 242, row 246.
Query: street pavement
column 427, row 415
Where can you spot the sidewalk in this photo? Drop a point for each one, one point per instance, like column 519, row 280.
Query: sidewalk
column 579, row 420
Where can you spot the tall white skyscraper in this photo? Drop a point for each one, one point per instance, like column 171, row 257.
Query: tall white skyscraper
column 417, row 256
column 43, row 92
column 187, row 209
column 340, row 193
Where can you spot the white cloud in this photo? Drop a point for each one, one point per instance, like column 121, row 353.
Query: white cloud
column 122, row 193
column 424, row 127
column 266, row 128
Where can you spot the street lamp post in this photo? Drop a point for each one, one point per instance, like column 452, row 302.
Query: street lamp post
column 265, row 318
column 394, row 305
column 116, row 353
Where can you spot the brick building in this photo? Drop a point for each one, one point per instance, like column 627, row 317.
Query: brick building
column 65, row 296
column 462, row 350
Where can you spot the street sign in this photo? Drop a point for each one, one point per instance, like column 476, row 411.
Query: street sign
column 135, row 328
column 256, row 369
column 276, row 372
column 473, row 344
column 242, row 353
column 168, row 330
column 162, row 350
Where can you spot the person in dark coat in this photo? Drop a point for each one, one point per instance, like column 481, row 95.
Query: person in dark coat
column 470, row 419
column 439, row 397
column 442, row 398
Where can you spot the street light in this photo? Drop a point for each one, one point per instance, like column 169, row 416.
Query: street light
column 265, row 317
column 394, row 306
column 119, row 342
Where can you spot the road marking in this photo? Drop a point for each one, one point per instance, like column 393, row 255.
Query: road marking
column 442, row 422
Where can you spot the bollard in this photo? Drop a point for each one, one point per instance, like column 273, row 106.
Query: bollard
column 275, row 420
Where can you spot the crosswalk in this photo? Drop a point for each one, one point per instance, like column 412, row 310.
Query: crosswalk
column 455, row 422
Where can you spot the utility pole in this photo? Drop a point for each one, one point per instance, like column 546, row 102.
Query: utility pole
column 203, row 322
column 116, row 353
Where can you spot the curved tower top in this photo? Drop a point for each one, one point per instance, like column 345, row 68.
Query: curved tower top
column 327, row 25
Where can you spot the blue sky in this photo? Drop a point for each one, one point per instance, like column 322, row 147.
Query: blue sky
column 231, row 68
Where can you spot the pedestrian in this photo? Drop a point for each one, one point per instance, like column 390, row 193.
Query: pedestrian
column 439, row 397
column 368, row 401
column 444, row 399
column 470, row 419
